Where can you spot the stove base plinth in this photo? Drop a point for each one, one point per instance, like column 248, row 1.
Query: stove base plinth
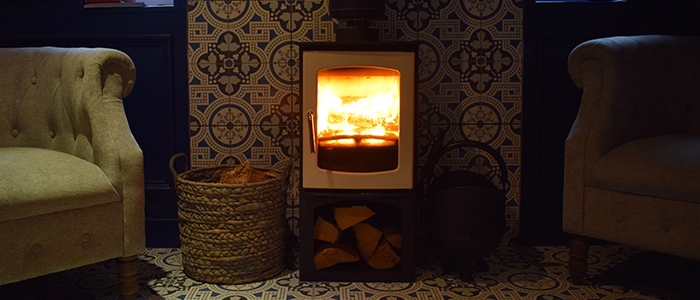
column 393, row 208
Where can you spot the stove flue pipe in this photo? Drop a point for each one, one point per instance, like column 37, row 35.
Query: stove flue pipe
column 356, row 19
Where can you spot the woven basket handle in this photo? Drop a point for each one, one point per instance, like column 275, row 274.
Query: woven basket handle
column 289, row 164
column 172, row 163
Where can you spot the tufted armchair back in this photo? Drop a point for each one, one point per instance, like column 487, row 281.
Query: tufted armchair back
column 48, row 100
column 638, row 89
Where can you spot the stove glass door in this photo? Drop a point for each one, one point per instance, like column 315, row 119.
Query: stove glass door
column 357, row 127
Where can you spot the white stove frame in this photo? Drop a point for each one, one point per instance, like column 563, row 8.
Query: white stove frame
column 399, row 178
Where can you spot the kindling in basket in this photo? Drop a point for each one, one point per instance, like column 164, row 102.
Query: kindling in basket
column 232, row 233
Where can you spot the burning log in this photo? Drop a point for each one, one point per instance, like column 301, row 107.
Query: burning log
column 367, row 238
column 325, row 231
column 384, row 257
column 391, row 126
column 345, row 217
column 330, row 255
column 363, row 121
column 335, row 116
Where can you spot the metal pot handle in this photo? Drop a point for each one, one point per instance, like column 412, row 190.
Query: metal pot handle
column 430, row 164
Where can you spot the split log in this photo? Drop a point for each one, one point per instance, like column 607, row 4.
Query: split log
column 325, row 231
column 367, row 238
column 392, row 236
column 238, row 175
column 259, row 176
column 345, row 217
column 330, row 255
column 245, row 173
column 384, row 257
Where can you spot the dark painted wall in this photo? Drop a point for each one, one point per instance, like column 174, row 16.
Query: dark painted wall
column 155, row 39
column 551, row 100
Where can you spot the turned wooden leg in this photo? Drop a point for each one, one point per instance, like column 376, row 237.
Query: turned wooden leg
column 578, row 256
column 127, row 268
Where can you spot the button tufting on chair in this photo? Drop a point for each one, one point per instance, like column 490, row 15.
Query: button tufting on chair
column 85, row 238
column 15, row 133
column 52, row 134
column 619, row 217
column 666, row 226
column 36, row 248
column 33, row 80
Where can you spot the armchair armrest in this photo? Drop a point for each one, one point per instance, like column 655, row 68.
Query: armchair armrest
column 112, row 73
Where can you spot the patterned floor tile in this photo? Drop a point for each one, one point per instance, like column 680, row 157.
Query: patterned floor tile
column 515, row 273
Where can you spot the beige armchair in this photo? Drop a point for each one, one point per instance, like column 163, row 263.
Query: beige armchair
column 71, row 173
column 632, row 162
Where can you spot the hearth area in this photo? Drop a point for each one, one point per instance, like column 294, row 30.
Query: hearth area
column 357, row 199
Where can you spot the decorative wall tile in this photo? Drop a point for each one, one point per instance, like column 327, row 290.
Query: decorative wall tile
column 483, row 110
column 427, row 135
column 501, row 13
column 267, row 146
column 479, row 60
column 314, row 23
column 432, row 113
column 509, row 95
column 284, row 62
column 244, row 81
column 206, row 148
column 480, row 10
column 207, row 15
column 447, row 32
column 399, row 21
column 440, row 103
column 429, row 63
column 278, row 108
column 278, row 12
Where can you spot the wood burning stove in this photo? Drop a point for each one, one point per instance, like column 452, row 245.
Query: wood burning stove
column 358, row 133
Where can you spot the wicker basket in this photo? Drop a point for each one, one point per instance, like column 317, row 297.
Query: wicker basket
column 231, row 233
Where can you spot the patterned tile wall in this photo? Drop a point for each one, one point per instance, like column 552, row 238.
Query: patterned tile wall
column 244, row 80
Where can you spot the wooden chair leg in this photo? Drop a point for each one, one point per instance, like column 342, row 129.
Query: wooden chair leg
column 127, row 268
column 578, row 256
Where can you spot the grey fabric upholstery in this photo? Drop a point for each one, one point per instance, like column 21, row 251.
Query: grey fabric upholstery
column 71, row 172
column 632, row 157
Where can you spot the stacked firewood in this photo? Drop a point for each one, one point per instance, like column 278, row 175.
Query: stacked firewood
column 350, row 237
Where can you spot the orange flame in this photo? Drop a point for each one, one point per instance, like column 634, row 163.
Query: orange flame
column 358, row 101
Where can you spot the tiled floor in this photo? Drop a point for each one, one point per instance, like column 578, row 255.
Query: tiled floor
column 539, row 273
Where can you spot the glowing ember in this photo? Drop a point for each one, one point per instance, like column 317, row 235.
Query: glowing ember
column 358, row 101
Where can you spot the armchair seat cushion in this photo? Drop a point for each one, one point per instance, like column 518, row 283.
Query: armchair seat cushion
column 37, row 181
column 666, row 166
